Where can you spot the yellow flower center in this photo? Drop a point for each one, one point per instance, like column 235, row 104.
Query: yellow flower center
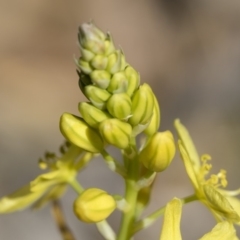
column 216, row 180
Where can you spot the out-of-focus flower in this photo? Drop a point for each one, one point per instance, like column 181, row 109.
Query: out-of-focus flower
column 171, row 221
column 208, row 191
column 45, row 187
column 223, row 230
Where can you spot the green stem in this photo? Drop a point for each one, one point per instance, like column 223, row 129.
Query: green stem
column 113, row 164
column 130, row 196
column 146, row 222
column 76, row 186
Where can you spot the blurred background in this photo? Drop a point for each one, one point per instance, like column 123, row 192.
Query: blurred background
column 188, row 51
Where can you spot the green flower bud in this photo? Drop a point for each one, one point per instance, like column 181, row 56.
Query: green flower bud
column 92, row 115
column 116, row 62
column 84, row 80
column 116, row 132
column 99, row 62
column 119, row 105
column 94, row 205
column 86, row 55
column 97, row 96
column 91, row 38
column 155, row 120
column 159, row 152
column 84, row 66
column 118, row 83
column 142, row 105
column 133, row 80
column 100, row 78
column 79, row 133
column 109, row 46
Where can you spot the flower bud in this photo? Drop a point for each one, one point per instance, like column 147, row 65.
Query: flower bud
column 86, row 55
column 119, row 105
column 79, row 133
column 133, row 80
column 97, row 96
column 118, row 83
column 94, row 205
column 155, row 120
column 159, row 152
column 99, row 62
column 84, row 66
column 116, row 62
column 100, row 78
column 116, row 132
column 109, row 46
column 91, row 38
column 142, row 105
column 84, row 80
column 92, row 115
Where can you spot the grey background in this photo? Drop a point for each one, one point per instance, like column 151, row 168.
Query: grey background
column 189, row 51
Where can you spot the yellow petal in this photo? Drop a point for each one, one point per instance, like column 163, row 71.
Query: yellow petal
column 188, row 144
column 222, row 231
column 19, row 199
column 171, row 222
column 54, row 193
column 219, row 203
column 44, row 181
column 188, row 165
column 234, row 201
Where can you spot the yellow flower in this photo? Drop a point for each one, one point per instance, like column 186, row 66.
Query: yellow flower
column 222, row 231
column 209, row 191
column 171, row 222
column 45, row 187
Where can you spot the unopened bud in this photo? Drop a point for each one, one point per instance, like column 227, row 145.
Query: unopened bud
column 142, row 105
column 118, row 83
column 133, row 80
column 99, row 62
column 159, row 152
column 116, row 62
column 109, row 46
column 92, row 115
column 116, row 132
column 119, row 105
column 92, row 38
column 94, row 205
column 155, row 120
column 79, row 133
column 100, row 78
column 84, row 66
column 84, row 80
column 97, row 96
column 86, row 55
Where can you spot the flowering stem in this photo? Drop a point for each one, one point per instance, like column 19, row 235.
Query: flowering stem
column 76, row 186
column 130, row 196
column 103, row 227
column 146, row 222
column 61, row 222
column 113, row 164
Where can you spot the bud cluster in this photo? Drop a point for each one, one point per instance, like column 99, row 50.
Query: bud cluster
column 119, row 107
